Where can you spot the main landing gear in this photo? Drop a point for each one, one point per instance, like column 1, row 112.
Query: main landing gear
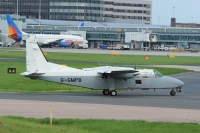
column 111, row 92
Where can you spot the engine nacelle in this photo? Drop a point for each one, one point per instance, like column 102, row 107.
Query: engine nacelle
column 121, row 75
column 64, row 44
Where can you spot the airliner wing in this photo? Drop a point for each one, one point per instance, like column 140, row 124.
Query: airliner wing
column 51, row 41
column 3, row 34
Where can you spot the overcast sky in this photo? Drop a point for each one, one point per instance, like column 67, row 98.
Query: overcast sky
column 183, row 12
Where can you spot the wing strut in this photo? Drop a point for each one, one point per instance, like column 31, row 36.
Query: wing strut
column 111, row 82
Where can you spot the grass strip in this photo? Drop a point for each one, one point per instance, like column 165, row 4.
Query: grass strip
column 30, row 125
column 107, row 58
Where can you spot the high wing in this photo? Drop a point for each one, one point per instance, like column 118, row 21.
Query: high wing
column 115, row 72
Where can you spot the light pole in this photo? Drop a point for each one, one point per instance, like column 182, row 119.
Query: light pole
column 142, row 23
column 173, row 11
column 192, row 19
column 39, row 11
column 17, row 13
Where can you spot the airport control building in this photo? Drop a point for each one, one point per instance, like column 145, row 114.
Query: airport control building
column 135, row 35
column 128, row 11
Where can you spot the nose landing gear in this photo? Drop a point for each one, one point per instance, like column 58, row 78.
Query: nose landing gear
column 173, row 93
column 178, row 89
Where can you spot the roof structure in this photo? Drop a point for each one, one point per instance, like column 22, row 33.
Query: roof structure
column 86, row 23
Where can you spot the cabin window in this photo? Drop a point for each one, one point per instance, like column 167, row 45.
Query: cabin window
column 138, row 81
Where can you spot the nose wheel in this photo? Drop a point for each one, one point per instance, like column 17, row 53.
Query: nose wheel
column 178, row 89
column 172, row 93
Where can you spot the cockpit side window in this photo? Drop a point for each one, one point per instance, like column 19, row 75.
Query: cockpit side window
column 157, row 74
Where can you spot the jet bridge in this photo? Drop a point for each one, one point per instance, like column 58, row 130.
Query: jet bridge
column 138, row 40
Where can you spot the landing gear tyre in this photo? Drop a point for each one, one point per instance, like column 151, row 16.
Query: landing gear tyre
column 113, row 93
column 178, row 90
column 106, row 92
column 172, row 93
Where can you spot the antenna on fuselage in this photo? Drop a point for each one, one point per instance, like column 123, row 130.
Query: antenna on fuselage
column 135, row 66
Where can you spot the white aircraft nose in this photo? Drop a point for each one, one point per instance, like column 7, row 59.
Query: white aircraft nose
column 85, row 41
column 178, row 82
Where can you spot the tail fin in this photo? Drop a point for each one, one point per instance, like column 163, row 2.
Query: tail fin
column 82, row 24
column 14, row 31
column 36, row 62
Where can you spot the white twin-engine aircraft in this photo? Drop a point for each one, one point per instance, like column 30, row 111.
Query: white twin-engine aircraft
column 106, row 78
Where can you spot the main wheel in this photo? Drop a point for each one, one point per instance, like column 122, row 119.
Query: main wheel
column 106, row 92
column 172, row 93
column 113, row 93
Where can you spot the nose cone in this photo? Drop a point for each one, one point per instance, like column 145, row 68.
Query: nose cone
column 85, row 41
column 178, row 82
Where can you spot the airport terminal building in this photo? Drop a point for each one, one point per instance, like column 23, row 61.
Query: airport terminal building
column 129, row 11
column 135, row 35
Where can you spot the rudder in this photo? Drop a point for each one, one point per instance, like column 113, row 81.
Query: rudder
column 35, row 59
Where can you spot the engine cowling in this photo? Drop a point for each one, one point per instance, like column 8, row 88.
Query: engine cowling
column 64, row 44
column 121, row 75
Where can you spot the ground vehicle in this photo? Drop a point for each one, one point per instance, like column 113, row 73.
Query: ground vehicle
column 125, row 47
column 172, row 48
column 82, row 46
column 2, row 44
column 194, row 49
column 111, row 47
column 121, row 47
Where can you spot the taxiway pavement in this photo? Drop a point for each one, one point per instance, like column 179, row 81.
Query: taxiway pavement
column 128, row 52
column 127, row 105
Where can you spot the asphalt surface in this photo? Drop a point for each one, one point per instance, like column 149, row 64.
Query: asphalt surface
column 188, row 99
column 128, row 52
column 100, row 51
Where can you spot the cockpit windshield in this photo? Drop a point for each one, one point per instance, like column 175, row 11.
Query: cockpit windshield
column 157, row 74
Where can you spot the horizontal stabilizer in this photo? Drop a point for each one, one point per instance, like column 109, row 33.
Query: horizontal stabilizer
column 3, row 34
column 30, row 73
